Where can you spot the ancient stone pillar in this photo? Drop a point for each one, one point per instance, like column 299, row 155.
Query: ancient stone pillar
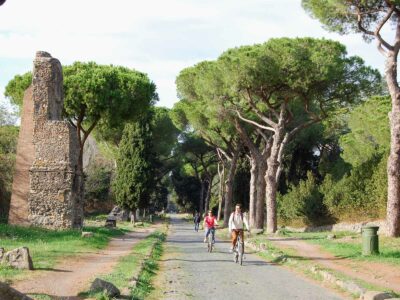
column 55, row 194
column 25, row 156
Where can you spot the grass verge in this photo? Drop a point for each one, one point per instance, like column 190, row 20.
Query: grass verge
column 289, row 258
column 146, row 253
column 47, row 247
column 348, row 245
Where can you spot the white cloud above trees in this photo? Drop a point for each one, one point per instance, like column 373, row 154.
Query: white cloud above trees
column 159, row 37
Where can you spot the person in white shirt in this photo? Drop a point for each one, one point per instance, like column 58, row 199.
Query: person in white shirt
column 236, row 222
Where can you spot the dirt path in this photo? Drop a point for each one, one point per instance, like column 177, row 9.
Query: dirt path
column 380, row 274
column 72, row 276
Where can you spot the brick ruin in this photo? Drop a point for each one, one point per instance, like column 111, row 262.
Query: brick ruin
column 47, row 186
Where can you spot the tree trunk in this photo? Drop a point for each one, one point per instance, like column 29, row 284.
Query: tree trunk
column 221, row 175
column 260, row 200
column 208, row 195
column 201, row 202
column 393, row 165
column 229, row 187
column 270, row 175
column 133, row 217
column 253, row 191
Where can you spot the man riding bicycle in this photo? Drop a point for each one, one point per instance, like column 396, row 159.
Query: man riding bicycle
column 236, row 222
column 210, row 222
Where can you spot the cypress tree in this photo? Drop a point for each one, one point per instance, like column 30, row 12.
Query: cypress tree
column 134, row 177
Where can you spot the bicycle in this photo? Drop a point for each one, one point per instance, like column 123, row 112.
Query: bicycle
column 210, row 241
column 238, row 251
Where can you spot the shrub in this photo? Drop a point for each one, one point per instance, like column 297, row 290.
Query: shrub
column 303, row 204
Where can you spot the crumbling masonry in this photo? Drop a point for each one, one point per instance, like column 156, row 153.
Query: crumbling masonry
column 47, row 154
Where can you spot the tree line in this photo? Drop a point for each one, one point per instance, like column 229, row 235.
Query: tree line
column 294, row 128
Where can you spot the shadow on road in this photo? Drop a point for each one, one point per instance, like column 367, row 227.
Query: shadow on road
column 246, row 262
column 52, row 270
column 52, row 297
column 273, row 239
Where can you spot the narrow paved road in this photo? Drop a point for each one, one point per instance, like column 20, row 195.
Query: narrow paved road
column 188, row 271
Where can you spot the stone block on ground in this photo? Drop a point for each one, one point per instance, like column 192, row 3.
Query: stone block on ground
column 257, row 231
column 18, row 258
column 120, row 214
column 1, row 253
column 87, row 234
column 105, row 286
column 351, row 287
column 331, row 236
column 111, row 222
column 263, row 246
column 375, row 295
column 8, row 293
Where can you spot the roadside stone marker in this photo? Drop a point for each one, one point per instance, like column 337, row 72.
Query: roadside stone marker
column 18, row 258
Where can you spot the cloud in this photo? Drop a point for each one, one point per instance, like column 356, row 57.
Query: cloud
column 158, row 37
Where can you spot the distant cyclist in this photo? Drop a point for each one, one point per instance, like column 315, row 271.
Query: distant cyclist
column 197, row 219
column 236, row 222
column 210, row 222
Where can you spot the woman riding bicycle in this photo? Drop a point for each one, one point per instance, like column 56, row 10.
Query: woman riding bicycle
column 236, row 222
column 210, row 222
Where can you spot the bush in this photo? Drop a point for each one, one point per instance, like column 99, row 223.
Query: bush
column 97, row 188
column 8, row 145
column 303, row 204
column 359, row 195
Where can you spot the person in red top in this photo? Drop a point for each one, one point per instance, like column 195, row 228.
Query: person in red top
column 210, row 222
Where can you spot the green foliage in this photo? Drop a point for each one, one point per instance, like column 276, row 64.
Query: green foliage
column 16, row 87
column 164, row 132
column 309, row 71
column 187, row 190
column 97, row 95
column 8, row 145
column 341, row 15
column 304, row 203
column 134, row 178
column 108, row 95
column 97, row 186
column 360, row 194
column 369, row 131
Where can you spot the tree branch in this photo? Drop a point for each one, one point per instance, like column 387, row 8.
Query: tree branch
column 252, row 147
column 254, row 123
column 258, row 112
column 302, row 126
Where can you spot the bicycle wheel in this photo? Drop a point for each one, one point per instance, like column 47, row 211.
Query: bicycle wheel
column 241, row 253
column 210, row 245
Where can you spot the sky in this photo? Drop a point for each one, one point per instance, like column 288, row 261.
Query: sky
column 157, row 37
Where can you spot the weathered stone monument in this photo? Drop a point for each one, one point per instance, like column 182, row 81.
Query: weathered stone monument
column 47, row 187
